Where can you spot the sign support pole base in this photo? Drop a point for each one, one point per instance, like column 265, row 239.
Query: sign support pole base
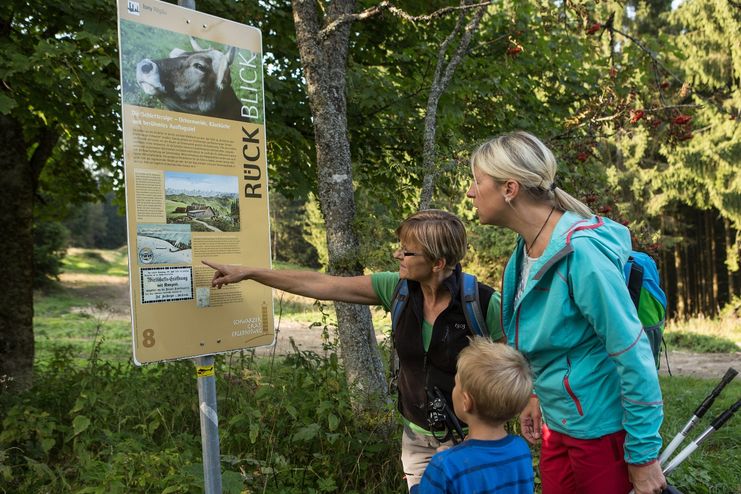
column 209, row 424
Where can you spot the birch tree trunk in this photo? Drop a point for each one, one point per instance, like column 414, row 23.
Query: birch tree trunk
column 324, row 61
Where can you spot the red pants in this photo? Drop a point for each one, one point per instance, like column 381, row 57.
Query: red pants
column 583, row 466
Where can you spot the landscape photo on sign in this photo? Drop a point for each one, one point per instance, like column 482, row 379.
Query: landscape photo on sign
column 164, row 244
column 207, row 203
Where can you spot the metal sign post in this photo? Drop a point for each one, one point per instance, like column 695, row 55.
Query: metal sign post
column 207, row 401
column 209, row 424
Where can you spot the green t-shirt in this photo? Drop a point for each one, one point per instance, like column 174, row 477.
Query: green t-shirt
column 384, row 284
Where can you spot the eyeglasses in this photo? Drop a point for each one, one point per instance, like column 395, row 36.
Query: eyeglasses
column 405, row 253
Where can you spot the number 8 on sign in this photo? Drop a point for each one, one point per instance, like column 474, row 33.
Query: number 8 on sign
column 148, row 335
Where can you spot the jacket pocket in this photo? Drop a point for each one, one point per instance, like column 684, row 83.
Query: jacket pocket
column 569, row 390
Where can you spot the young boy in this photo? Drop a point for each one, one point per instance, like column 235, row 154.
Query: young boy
column 492, row 385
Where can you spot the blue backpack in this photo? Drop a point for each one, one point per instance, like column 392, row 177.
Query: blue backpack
column 642, row 278
column 469, row 299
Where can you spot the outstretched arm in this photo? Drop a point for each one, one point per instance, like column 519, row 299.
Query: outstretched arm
column 350, row 289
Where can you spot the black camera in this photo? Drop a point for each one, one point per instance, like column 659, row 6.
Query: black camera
column 437, row 416
column 440, row 418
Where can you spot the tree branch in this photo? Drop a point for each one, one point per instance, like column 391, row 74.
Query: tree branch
column 387, row 6
column 42, row 153
column 443, row 75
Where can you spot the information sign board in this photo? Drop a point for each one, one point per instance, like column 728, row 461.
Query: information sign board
column 196, row 180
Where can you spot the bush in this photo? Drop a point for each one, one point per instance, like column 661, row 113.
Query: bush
column 699, row 343
column 49, row 248
column 286, row 426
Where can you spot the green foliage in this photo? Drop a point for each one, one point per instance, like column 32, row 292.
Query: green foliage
column 286, row 426
column 60, row 74
column 97, row 224
column 82, row 430
column 49, row 249
column 288, row 223
column 699, row 343
column 314, row 233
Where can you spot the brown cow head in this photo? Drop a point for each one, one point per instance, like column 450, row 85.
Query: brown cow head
column 194, row 82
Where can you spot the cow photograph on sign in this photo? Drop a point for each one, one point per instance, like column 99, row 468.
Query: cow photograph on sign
column 172, row 71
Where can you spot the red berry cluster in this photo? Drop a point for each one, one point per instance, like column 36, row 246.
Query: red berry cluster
column 680, row 129
column 594, row 28
column 513, row 51
column 636, row 115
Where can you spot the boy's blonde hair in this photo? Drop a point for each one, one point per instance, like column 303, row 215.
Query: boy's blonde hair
column 497, row 377
column 440, row 233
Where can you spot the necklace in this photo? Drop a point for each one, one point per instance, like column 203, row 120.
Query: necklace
column 527, row 249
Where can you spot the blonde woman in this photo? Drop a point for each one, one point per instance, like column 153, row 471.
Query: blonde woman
column 597, row 404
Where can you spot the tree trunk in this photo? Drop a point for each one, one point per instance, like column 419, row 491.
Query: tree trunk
column 324, row 64
column 730, row 243
column 716, row 254
column 16, row 307
column 680, row 288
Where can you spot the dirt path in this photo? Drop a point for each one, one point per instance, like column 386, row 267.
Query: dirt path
column 709, row 365
column 113, row 293
column 705, row 365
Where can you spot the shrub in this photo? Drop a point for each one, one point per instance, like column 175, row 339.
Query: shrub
column 286, row 426
column 49, row 247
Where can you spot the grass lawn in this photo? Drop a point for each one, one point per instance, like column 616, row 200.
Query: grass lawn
column 97, row 261
column 714, row 467
column 701, row 334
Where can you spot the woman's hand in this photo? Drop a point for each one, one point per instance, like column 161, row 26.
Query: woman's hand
column 225, row 273
column 531, row 420
column 647, row 479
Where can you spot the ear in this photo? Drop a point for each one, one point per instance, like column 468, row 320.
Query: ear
column 439, row 265
column 195, row 45
column 468, row 403
column 230, row 52
column 176, row 52
column 221, row 63
column 511, row 189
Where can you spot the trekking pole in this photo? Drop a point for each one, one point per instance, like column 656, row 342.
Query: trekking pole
column 717, row 424
column 701, row 410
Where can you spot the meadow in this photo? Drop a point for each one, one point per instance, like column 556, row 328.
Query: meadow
column 95, row 423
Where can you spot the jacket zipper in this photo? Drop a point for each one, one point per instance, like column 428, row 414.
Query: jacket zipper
column 571, row 391
column 517, row 330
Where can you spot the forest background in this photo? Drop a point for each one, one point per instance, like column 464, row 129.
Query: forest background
column 638, row 99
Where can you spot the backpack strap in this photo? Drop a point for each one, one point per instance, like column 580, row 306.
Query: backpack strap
column 472, row 305
column 398, row 302
column 635, row 281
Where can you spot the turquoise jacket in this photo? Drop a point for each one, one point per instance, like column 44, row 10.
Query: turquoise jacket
column 575, row 323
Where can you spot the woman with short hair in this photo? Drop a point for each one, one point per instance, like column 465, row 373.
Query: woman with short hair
column 432, row 327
